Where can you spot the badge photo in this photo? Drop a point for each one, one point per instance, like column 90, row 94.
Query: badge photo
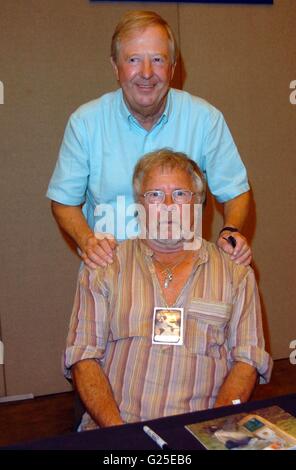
column 168, row 326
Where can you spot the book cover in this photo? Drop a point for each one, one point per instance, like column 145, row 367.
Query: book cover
column 269, row 428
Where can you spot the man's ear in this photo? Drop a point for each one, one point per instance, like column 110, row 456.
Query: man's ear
column 115, row 68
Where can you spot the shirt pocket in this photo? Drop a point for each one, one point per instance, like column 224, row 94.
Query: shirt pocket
column 206, row 327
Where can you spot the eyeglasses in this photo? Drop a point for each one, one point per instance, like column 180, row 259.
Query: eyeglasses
column 179, row 196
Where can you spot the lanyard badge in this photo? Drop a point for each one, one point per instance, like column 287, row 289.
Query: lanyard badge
column 168, row 326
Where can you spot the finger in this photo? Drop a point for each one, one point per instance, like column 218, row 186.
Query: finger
column 245, row 259
column 111, row 240
column 244, row 262
column 107, row 246
column 98, row 251
column 107, row 242
column 240, row 249
column 99, row 256
column 89, row 263
column 107, row 236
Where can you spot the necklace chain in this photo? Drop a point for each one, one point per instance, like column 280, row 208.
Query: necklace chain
column 168, row 270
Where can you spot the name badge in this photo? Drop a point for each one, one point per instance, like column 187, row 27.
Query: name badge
column 168, row 326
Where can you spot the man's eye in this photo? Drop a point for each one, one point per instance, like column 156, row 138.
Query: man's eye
column 180, row 193
column 158, row 60
column 155, row 194
column 133, row 60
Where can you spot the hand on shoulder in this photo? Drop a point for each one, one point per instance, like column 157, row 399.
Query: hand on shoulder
column 241, row 253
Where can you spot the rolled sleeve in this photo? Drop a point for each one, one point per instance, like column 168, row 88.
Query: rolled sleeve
column 89, row 324
column 256, row 357
column 68, row 183
column 246, row 338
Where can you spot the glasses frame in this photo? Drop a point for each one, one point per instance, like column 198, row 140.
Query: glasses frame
column 172, row 194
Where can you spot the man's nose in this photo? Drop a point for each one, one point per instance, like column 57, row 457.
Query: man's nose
column 170, row 204
column 168, row 200
column 147, row 70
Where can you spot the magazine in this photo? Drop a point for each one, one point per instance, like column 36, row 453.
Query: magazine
column 269, row 428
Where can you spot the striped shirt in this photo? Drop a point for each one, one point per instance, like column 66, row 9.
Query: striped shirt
column 112, row 322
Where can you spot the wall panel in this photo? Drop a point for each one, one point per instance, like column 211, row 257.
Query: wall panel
column 243, row 61
column 54, row 57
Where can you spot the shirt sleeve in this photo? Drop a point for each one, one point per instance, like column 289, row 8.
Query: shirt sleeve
column 89, row 324
column 69, row 180
column 225, row 171
column 245, row 335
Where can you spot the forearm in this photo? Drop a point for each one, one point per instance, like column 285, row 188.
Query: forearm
column 236, row 210
column 239, row 384
column 73, row 222
column 95, row 392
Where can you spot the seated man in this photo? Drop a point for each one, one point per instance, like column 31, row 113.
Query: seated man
column 124, row 367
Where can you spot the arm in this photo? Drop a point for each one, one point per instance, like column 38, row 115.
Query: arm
column 239, row 384
column 247, row 357
column 68, row 185
column 95, row 391
column 87, row 339
column 96, row 250
column 235, row 214
column 236, row 210
column 227, row 176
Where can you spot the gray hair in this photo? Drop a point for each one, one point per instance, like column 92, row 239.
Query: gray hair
column 166, row 158
column 139, row 20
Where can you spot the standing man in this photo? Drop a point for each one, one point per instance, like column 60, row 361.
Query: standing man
column 105, row 138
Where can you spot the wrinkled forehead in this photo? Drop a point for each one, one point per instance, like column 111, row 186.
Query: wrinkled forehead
column 168, row 174
column 138, row 31
column 154, row 36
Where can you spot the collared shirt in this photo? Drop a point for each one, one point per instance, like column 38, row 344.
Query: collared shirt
column 103, row 141
column 112, row 322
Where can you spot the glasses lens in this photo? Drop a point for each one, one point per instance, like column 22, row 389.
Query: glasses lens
column 154, row 197
column 182, row 196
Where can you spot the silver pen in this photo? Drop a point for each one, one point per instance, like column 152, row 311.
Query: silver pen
column 155, row 437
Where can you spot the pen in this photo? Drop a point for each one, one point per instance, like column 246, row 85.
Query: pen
column 231, row 240
column 155, row 437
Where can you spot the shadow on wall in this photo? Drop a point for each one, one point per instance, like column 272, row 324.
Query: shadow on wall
column 180, row 75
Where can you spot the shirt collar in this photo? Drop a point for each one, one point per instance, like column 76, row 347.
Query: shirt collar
column 127, row 115
column 202, row 258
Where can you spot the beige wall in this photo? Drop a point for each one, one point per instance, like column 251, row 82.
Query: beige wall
column 53, row 57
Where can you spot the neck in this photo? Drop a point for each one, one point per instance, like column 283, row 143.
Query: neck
column 165, row 253
column 147, row 117
column 165, row 248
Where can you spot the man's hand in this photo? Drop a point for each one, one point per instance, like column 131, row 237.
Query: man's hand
column 239, row 384
column 241, row 253
column 95, row 249
column 98, row 250
column 235, row 214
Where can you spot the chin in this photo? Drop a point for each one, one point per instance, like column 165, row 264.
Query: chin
column 169, row 230
column 170, row 241
column 146, row 101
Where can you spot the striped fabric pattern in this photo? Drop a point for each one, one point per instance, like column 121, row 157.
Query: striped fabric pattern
column 112, row 323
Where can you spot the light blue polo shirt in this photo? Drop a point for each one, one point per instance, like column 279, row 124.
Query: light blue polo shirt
column 103, row 142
